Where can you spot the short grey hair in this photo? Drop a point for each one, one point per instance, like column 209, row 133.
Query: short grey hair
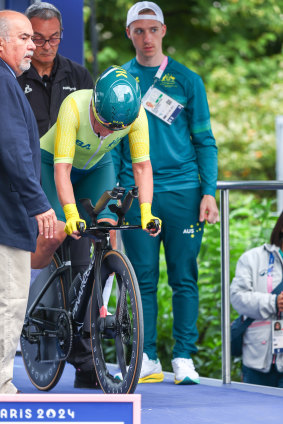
column 44, row 10
column 4, row 28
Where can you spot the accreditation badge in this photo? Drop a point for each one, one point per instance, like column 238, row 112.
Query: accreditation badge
column 277, row 336
column 161, row 105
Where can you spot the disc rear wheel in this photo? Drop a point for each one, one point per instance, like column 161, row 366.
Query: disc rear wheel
column 42, row 353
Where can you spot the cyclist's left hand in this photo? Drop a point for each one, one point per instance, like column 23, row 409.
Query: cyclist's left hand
column 147, row 219
column 72, row 220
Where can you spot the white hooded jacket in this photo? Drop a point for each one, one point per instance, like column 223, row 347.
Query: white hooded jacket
column 250, row 297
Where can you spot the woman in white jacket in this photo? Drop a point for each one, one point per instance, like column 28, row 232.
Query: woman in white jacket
column 258, row 272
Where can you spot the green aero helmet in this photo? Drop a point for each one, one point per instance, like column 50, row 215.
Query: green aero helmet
column 116, row 98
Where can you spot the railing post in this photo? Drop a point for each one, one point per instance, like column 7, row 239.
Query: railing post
column 225, row 286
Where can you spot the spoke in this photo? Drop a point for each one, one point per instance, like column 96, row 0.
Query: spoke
column 120, row 354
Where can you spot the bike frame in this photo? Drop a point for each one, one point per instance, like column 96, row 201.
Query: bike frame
column 59, row 303
column 101, row 236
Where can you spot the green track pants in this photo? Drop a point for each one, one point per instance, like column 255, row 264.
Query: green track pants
column 181, row 235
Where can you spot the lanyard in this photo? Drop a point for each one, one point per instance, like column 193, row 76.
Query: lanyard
column 160, row 71
column 269, row 272
column 159, row 103
column 269, row 289
column 269, row 276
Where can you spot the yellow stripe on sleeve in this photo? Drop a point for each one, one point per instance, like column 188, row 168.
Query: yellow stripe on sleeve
column 68, row 123
column 139, row 138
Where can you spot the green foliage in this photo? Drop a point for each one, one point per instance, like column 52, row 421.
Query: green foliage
column 236, row 46
column 251, row 222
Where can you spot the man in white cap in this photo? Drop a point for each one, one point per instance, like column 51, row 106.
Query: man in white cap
column 184, row 160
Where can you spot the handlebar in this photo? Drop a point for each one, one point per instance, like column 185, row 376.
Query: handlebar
column 120, row 211
column 115, row 194
column 153, row 225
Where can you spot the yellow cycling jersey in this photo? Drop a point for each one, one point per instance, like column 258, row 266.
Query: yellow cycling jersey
column 72, row 139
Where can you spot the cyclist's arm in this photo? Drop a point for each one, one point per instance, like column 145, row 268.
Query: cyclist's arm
column 142, row 170
column 67, row 126
column 139, row 149
column 143, row 179
column 62, row 176
column 65, row 192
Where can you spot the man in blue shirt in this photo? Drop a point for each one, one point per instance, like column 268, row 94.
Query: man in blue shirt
column 184, row 160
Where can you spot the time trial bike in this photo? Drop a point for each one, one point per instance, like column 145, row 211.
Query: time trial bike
column 58, row 302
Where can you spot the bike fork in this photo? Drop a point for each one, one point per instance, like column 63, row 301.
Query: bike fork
column 99, row 251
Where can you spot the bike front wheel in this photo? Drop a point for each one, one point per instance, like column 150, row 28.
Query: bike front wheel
column 117, row 339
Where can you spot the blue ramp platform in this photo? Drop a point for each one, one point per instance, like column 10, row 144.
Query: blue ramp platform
column 210, row 402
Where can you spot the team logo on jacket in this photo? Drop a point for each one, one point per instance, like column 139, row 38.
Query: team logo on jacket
column 168, row 80
column 28, row 89
column 69, row 88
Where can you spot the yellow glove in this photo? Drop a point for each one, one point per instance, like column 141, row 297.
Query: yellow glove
column 146, row 215
column 72, row 218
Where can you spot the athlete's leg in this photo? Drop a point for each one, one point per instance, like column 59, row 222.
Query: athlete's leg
column 182, row 235
column 45, row 248
column 143, row 252
column 90, row 185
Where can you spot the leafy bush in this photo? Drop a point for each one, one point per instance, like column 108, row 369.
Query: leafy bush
column 236, row 47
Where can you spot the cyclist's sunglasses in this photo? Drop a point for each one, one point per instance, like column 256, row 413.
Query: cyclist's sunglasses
column 113, row 126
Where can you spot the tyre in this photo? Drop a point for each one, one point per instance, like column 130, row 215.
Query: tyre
column 118, row 348
column 41, row 354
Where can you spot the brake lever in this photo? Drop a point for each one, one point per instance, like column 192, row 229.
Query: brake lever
column 81, row 227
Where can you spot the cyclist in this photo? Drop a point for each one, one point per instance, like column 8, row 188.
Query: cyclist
column 76, row 158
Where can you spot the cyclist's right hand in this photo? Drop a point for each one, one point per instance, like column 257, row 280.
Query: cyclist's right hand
column 150, row 223
column 73, row 219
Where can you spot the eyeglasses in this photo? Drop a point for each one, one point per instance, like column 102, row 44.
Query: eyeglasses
column 40, row 42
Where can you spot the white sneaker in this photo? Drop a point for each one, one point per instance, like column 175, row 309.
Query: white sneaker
column 185, row 372
column 151, row 371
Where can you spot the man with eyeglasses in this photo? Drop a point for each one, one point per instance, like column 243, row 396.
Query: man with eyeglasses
column 51, row 77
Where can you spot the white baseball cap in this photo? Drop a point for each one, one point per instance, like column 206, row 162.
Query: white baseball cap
column 133, row 13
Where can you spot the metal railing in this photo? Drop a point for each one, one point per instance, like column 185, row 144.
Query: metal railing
column 224, row 188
